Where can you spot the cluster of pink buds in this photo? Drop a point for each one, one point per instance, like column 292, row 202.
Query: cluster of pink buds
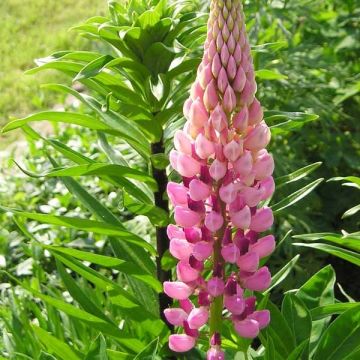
column 226, row 177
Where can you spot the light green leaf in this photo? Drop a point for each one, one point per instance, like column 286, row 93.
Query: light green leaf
column 297, row 316
column 341, row 338
column 54, row 345
column 295, row 196
column 282, row 273
column 348, row 240
column 59, row 116
column 85, row 225
column 265, row 74
column 297, row 174
column 332, row 309
column 347, row 255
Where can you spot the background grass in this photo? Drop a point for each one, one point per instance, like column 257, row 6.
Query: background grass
column 33, row 29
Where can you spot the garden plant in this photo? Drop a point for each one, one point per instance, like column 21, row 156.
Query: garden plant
column 166, row 215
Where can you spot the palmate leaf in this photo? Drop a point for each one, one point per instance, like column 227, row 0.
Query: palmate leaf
column 136, row 189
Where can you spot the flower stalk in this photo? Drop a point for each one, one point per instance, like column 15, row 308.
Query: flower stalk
column 226, row 175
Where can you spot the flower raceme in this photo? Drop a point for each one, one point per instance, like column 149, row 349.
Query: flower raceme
column 226, row 174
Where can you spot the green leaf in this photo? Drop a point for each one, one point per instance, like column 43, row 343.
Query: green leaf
column 295, row 196
column 54, row 345
column 297, row 316
column 318, row 291
column 347, row 255
column 109, row 262
column 97, row 349
column 116, row 355
column 149, row 352
column 157, row 216
column 332, row 309
column 297, row 174
column 279, row 332
column 265, row 74
column 351, row 211
column 93, row 67
column 85, row 225
column 159, row 161
column 282, row 273
column 297, row 353
column 99, row 169
column 349, row 240
column 282, row 122
column 341, row 338
column 59, row 116
column 92, row 321
column 78, row 294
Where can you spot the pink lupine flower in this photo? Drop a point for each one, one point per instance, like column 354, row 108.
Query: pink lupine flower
column 226, row 175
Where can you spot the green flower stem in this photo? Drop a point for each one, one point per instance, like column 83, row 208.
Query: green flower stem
column 216, row 306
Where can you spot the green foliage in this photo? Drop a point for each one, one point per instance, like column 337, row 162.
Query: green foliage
column 79, row 236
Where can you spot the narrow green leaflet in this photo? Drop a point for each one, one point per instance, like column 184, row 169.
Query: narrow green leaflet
column 54, row 345
column 97, row 349
column 318, row 291
column 348, row 240
column 266, row 74
column 279, row 332
column 59, row 116
column 341, row 338
column 109, row 262
column 117, row 355
column 351, row 212
column 297, row 316
column 347, row 255
column 282, row 273
column 92, row 321
column 282, row 122
column 297, row 174
column 85, row 225
column 332, row 309
column 94, row 67
column 78, row 294
column 99, row 169
column 149, row 352
column 296, row 196
column 297, row 353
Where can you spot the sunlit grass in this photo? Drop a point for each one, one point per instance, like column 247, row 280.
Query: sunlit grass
column 31, row 29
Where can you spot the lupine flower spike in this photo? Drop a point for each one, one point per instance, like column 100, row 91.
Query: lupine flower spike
column 226, row 173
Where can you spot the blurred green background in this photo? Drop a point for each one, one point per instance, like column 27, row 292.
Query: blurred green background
column 32, row 29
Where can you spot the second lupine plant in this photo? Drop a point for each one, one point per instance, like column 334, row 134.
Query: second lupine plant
column 226, row 176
